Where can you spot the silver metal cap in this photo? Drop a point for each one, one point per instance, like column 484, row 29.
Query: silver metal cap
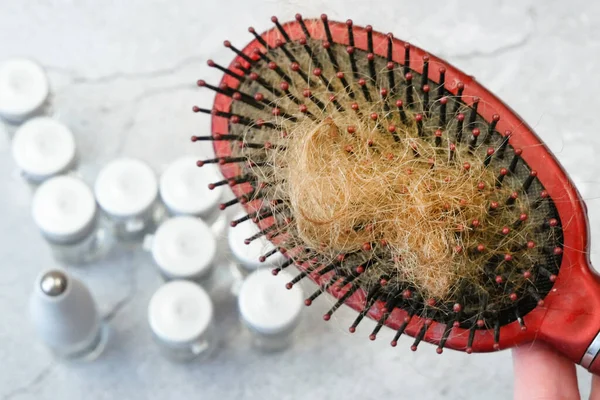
column 54, row 283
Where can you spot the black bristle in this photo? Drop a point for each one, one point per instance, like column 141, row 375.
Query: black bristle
column 419, row 336
column 406, row 69
column 458, row 97
column 441, row 89
column 280, row 29
column 425, row 74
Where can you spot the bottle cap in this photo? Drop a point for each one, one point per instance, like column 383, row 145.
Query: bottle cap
column 266, row 305
column 24, row 88
column 184, row 248
column 126, row 187
column 180, row 312
column 43, row 147
column 248, row 254
column 184, row 187
column 63, row 207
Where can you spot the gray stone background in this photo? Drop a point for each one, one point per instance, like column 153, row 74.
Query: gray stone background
column 123, row 75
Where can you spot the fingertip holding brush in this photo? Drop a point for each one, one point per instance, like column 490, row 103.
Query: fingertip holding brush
column 404, row 189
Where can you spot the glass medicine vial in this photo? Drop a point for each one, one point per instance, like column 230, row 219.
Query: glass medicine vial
column 42, row 148
column 270, row 311
column 180, row 315
column 127, row 191
column 24, row 90
column 184, row 248
column 184, row 189
column 248, row 256
column 65, row 211
column 65, row 316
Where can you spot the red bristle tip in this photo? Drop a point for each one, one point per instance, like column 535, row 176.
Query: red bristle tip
column 383, row 282
column 544, row 194
column 340, row 257
column 407, row 294
column 527, row 274
column 298, row 17
column 419, row 117
column 354, row 106
column 307, row 302
column 480, row 323
column 199, row 163
column 351, row 129
column 326, row 44
column 428, row 322
column 372, row 336
column 557, row 251
column 456, row 324
column 518, row 152
column 490, row 151
column 553, row 222
column 480, row 248
column 466, row 166
column 254, row 76
column 469, row 350
column 505, row 230
column 533, row 173
column 390, row 65
column 408, row 76
column 552, row 278
column 425, row 88
column 406, row 45
column 276, row 111
column 392, row 128
column 523, row 328
column 201, row 83
column 352, row 329
column 442, row 70
column 236, row 96
column 383, row 92
column 406, row 319
column 476, row 132
column 458, row 249
column 306, row 93
column 452, row 147
column 340, row 75
column 394, row 343
column 413, row 347
column 430, row 302
column 196, row 109
column 475, row 223
column 324, row 17
column 438, row 133
column 496, row 346
column 370, row 56
column 444, row 100
column 399, row 103
column 523, row 217
column 284, row 86
column 289, row 285
column 271, row 65
column 317, row 72
column 496, row 117
column 275, row 271
column 259, row 97
column 457, row 308
column 514, row 195
column 513, row 297
column 332, row 97
column 303, row 108
column 194, row 138
column 350, row 49
column 499, row 280
column 360, row 269
column 373, row 116
column 348, row 148
column 227, row 43
column 211, row 63
column 274, row 19
column 262, row 259
column 369, row 28
column 326, row 317
column 367, row 247
column 370, row 142
column 460, row 117
column 460, row 85
column 234, row 119
column 507, row 134
column 494, row 205
column 439, row 350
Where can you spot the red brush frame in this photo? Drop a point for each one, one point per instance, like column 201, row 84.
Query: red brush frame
column 570, row 317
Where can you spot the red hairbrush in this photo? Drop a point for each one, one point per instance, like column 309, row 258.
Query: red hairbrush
column 515, row 245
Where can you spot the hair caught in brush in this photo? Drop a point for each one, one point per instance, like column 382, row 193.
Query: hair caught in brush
column 372, row 176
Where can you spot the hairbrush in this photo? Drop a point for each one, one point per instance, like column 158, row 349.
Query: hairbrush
column 405, row 189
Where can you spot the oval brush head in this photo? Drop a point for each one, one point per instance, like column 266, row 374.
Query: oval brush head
column 396, row 182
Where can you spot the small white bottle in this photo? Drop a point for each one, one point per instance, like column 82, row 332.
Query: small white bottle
column 24, row 90
column 66, row 214
column 180, row 315
column 65, row 316
column 184, row 189
column 42, row 148
column 127, row 191
column 270, row 311
column 248, row 256
column 184, row 248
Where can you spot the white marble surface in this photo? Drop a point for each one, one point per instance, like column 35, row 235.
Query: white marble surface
column 123, row 75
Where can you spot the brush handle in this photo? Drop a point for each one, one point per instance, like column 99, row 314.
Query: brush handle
column 572, row 322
